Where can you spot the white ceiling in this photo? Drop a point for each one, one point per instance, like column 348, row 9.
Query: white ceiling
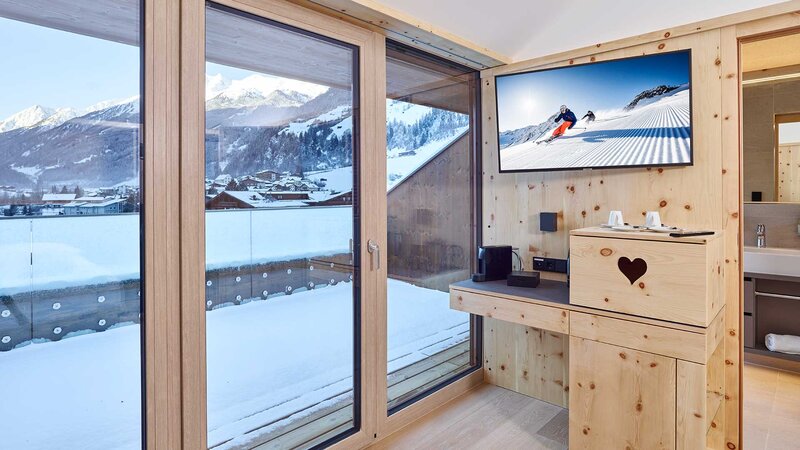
column 523, row 29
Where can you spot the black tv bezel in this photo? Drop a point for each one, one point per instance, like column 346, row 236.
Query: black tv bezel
column 634, row 166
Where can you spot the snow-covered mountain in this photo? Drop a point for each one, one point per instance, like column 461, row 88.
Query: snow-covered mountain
column 34, row 115
column 253, row 124
column 258, row 90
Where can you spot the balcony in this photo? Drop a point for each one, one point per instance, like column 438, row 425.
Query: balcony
column 69, row 326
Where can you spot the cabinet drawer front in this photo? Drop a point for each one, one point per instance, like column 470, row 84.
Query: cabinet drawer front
column 649, row 338
column 530, row 314
column 660, row 280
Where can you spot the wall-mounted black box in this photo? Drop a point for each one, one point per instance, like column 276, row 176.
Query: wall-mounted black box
column 548, row 221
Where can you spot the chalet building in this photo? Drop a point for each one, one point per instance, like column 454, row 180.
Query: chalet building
column 84, row 208
column 236, row 200
column 344, row 198
column 286, row 195
column 58, row 199
column 268, row 175
column 253, row 183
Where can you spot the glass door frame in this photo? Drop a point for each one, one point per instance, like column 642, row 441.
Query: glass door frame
column 174, row 223
column 190, row 74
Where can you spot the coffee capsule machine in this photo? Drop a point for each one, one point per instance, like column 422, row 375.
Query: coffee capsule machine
column 494, row 263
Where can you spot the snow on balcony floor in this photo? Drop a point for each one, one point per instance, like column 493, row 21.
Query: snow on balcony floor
column 265, row 358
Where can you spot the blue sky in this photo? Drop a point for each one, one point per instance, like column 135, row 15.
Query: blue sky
column 43, row 66
column 53, row 68
column 529, row 99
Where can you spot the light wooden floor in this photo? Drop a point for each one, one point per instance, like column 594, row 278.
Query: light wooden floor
column 771, row 409
column 491, row 417
column 488, row 417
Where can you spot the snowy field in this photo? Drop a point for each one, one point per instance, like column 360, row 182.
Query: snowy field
column 652, row 134
column 265, row 359
column 47, row 253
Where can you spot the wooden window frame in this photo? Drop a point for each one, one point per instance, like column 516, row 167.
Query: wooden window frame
column 174, row 224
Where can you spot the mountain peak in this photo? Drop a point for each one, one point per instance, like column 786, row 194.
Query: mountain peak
column 28, row 117
column 257, row 90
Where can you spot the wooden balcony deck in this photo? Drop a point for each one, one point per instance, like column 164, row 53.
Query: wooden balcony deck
column 304, row 429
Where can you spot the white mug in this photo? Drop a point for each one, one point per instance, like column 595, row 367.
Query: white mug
column 615, row 219
column 652, row 219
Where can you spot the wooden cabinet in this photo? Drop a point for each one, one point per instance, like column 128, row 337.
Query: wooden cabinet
column 635, row 385
column 620, row 398
column 647, row 274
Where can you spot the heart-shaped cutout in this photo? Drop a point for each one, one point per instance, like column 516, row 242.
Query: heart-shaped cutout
column 633, row 270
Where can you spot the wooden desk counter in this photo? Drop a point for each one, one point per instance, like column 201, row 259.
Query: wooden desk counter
column 530, row 333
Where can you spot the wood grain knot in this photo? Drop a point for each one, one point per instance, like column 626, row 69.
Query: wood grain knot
column 698, row 415
column 653, row 364
column 606, row 251
column 667, row 34
column 586, row 430
column 641, row 285
column 731, row 446
column 639, row 407
column 717, row 62
column 592, row 59
column 605, row 299
column 661, row 46
column 591, row 385
column 623, row 355
column 662, row 203
column 597, row 207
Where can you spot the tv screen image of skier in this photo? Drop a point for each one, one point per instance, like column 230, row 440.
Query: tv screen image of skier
column 621, row 113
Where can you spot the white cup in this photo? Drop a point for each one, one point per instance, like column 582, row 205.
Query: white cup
column 615, row 219
column 652, row 219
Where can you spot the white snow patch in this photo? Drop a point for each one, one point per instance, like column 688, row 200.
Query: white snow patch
column 266, row 359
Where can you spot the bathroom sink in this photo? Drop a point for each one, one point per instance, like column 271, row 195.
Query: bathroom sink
column 772, row 261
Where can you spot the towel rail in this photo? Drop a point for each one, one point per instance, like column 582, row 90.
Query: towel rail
column 788, row 297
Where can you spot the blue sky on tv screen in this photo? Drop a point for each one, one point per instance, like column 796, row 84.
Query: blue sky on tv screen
column 530, row 98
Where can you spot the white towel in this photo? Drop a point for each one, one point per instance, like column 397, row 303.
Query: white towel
column 784, row 343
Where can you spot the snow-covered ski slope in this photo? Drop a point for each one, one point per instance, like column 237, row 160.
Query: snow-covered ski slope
column 657, row 133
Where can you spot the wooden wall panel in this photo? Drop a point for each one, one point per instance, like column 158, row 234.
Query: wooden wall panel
column 789, row 172
column 705, row 195
column 732, row 211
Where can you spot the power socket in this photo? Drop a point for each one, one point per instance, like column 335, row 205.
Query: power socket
column 550, row 264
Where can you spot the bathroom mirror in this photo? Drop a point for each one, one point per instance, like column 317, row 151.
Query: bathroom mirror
column 771, row 119
column 787, row 176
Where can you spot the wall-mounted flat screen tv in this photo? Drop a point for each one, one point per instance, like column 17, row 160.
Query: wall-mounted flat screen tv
column 628, row 112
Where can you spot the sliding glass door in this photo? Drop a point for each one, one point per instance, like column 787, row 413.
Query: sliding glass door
column 282, row 221
column 431, row 116
column 70, row 202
